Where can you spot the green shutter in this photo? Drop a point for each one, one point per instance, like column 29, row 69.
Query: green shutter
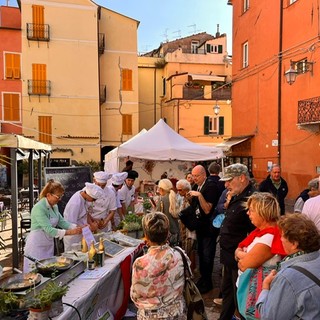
column 221, row 125
column 220, row 47
column 208, row 48
column 206, row 125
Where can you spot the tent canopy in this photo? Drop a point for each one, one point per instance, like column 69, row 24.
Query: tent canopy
column 163, row 143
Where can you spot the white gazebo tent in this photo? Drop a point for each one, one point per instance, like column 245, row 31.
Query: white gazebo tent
column 162, row 143
column 18, row 144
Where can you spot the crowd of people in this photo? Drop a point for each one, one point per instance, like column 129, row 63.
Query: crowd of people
column 262, row 248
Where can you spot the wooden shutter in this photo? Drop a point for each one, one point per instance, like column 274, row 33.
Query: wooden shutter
column 39, row 77
column 9, row 65
column 126, row 80
column 11, row 107
column 206, row 125
column 220, row 48
column 127, row 124
column 208, row 47
column 221, row 125
column 16, row 66
column 38, row 21
column 45, row 129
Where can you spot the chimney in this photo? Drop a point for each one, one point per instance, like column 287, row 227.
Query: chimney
column 217, row 33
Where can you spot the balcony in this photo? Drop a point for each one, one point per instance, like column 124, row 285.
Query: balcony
column 193, row 93
column 223, row 93
column 101, row 43
column 39, row 87
column 38, row 32
column 201, row 92
column 309, row 114
column 103, row 94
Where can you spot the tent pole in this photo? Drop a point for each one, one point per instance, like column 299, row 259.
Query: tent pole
column 14, row 208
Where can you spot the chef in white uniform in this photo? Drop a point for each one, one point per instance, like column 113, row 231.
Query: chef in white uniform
column 127, row 192
column 77, row 209
column 104, row 208
column 117, row 181
column 45, row 218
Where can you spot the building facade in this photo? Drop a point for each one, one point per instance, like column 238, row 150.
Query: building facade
column 281, row 118
column 186, row 79
column 79, row 78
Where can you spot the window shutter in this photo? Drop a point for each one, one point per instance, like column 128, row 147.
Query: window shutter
column 16, row 66
column 221, row 125
column 11, row 106
column 127, row 124
column 206, row 125
column 220, row 47
column 126, row 79
column 208, row 47
column 45, row 129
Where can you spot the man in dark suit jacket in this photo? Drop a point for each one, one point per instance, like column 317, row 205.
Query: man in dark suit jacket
column 275, row 185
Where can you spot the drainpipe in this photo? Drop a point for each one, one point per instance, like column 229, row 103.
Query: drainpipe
column 155, row 95
column 280, row 81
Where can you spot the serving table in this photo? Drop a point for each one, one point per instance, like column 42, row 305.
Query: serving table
column 92, row 295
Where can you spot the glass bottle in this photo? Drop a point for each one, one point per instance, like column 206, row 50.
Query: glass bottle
column 92, row 254
column 84, row 246
column 100, row 253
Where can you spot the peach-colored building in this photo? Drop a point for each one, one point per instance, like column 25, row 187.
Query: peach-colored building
column 182, row 81
column 269, row 37
column 10, row 70
column 79, row 78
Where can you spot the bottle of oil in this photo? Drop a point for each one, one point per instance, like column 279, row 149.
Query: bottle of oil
column 84, row 246
column 100, row 253
column 92, row 256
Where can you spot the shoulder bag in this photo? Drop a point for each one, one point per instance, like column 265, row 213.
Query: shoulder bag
column 194, row 301
column 190, row 217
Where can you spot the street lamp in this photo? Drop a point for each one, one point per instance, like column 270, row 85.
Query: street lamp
column 216, row 108
column 296, row 68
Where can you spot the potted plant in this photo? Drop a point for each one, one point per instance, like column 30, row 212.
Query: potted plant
column 47, row 302
column 57, row 292
column 132, row 225
column 39, row 305
column 8, row 302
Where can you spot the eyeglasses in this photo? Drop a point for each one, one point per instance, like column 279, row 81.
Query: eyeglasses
column 56, row 196
column 179, row 190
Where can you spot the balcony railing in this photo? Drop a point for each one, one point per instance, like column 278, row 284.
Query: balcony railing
column 193, row 93
column 103, row 94
column 309, row 111
column 39, row 87
column 223, row 93
column 101, row 43
column 38, row 32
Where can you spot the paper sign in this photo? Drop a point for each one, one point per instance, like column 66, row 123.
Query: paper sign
column 86, row 232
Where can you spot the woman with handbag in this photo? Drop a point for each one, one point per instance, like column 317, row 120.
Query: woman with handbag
column 158, row 276
column 259, row 252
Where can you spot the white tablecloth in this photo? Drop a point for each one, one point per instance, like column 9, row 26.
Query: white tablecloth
column 93, row 297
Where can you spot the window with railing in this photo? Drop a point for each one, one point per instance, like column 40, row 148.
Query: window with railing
column 39, row 87
column 38, row 32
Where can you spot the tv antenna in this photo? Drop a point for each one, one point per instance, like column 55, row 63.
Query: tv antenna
column 178, row 32
column 165, row 35
column 194, row 26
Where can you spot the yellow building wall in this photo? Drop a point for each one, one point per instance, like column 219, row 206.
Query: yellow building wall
column 71, row 59
column 150, row 91
column 120, row 53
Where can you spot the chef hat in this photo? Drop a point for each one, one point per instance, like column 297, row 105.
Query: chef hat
column 118, row 178
column 102, row 176
column 93, row 191
column 132, row 174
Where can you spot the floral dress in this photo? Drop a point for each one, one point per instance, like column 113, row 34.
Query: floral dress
column 157, row 284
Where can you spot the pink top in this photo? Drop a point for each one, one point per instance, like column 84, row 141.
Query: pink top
column 157, row 278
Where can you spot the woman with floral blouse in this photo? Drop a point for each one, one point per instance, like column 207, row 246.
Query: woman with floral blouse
column 158, row 276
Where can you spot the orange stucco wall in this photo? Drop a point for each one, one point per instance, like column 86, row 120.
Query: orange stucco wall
column 260, row 94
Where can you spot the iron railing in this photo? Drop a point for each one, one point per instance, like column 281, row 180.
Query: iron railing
column 309, row 111
column 39, row 87
column 38, row 32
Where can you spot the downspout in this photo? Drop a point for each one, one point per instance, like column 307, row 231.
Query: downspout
column 280, row 82
column 99, row 84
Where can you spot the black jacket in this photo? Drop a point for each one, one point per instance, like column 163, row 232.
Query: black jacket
column 267, row 186
column 235, row 227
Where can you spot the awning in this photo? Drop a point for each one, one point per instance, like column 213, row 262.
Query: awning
column 16, row 141
column 206, row 77
column 226, row 145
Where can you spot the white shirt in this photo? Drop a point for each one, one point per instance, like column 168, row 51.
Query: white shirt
column 126, row 195
column 311, row 209
column 104, row 205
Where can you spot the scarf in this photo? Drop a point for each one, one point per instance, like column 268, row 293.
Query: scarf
column 276, row 246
